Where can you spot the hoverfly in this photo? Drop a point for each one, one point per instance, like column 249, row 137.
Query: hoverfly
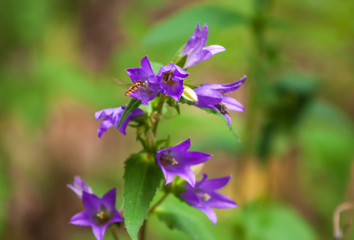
column 140, row 88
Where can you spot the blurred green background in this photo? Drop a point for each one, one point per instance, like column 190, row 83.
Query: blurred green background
column 291, row 160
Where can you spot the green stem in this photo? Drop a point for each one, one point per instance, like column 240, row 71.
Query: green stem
column 114, row 234
column 158, row 114
column 152, row 209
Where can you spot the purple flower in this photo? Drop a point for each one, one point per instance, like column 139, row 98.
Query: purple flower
column 177, row 161
column 99, row 213
column 145, row 86
column 79, row 186
column 171, row 79
column 111, row 117
column 195, row 50
column 212, row 96
column 204, row 196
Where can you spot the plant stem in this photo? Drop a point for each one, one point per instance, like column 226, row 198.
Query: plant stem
column 114, row 234
column 152, row 209
column 159, row 111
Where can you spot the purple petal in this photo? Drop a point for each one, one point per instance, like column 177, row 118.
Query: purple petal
column 207, row 96
column 104, row 113
column 214, row 49
column 79, row 186
column 174, row 91
column 99, row 231
column 91, row 202
column 232, row 86
column 179, row 72
column 105, row 124
column 183, row 146
column 109, row 199
column 145, row 64
column 210, row 214
column 213, row 184
column 227, row 116
column 194, row 158
column 197, row 41
column 187, row 174
column 116, row 217
column 134, row 113
column 232, row 104
column 190, row 197
column 218, row 200
column 81, row 219
column 169, row 176
column 200, row 183
column 135, row 74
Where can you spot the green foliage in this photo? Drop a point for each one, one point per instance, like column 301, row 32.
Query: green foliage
column 142, row 177
column 133, row 104
column 178, row 215
column 183, row 23
column 271, row 222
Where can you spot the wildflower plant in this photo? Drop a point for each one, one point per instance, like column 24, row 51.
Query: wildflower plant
column 160, row 165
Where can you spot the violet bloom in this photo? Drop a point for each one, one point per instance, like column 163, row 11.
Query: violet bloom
column 212, row 96
column 177, row 161
column 195, row 50
column 111, row 117
column 99, row 213
column 204, row 196
column 79, row 186
column 171, row 79
column 145, row 86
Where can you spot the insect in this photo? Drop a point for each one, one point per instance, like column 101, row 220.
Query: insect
column 167, row 78
column 140, row 88
column 222, row 108
column 134, row 87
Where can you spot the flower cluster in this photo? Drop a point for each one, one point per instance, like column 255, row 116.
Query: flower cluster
column 167, row 85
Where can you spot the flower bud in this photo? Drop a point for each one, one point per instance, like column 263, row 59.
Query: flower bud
column 189, row 94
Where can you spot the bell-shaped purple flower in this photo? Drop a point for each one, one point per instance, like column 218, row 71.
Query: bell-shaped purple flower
column 195, row 50
column 145, row 86
column 111, row 117
column 204, row 196
column 212, row 96
column 171, row 79
column 99, row 213
column 79, row 186
column 177, row 161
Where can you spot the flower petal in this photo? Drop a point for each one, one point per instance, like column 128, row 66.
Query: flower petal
column 187, row 174
column 190, row 197
column 99, row 231
column 183, row 146
column 194, row 157
column 91, row 202
column 81, row 219
column 109, row 199
column 214, row 49
column 214, row 184
column 210, row 214
column 232, row 104
column 134, row 113
column 218, row 200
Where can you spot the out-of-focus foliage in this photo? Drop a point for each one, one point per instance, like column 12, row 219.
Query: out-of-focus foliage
column 63, row 60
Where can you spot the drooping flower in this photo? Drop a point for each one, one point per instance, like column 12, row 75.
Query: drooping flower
column 111, row 117
column 177, row 161
column 195, row 50
column 204, row 196
column 79, row 186
column 171, row 79
column 99, row 213
column 212, row 96
column 145, row 86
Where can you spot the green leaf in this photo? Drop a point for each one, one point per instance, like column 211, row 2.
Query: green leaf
column 133, row 104
column 182, row 24
column 269, row 222
column 178, row 215
column 142, row 177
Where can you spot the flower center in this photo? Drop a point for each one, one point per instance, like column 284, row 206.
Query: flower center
column 167, row 78
column 166, row 159
column 103, row 216
column 203, row 196
column 222, row 108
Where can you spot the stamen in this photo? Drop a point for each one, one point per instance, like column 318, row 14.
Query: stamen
column 206, row 196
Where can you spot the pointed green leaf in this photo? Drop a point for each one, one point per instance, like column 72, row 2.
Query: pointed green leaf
column 133, row 104
column 142, row 177
column 179, row 215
